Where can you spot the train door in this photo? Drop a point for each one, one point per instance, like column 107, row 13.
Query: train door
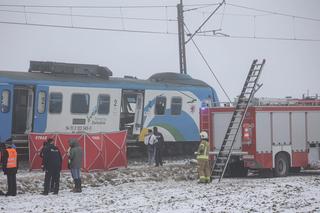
column 40, row 109
column 22, row 109
column 6, row 101
column 132, row 112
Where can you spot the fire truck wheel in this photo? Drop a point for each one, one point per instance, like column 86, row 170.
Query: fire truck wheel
column 281, row 165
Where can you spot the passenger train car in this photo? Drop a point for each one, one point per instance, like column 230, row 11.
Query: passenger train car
column 71, row 98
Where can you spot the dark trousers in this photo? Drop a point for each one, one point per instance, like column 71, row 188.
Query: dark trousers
column 52, row 177
column 12, row 184
column 158, row 156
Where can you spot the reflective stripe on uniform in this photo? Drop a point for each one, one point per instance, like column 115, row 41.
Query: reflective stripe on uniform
column 12, row 158
column 202, row 157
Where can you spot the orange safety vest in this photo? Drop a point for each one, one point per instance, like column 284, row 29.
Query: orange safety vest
column 12, row 158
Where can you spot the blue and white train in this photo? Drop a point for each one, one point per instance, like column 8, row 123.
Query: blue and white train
column 72, row 98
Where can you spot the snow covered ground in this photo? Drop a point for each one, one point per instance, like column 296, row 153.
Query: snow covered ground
column 171, row 188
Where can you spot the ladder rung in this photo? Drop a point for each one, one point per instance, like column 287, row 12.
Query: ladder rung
column 217, row 170
column 228, row 139
column 231, row 133
column 233, row 128
column 220, row 164
column 224, row 152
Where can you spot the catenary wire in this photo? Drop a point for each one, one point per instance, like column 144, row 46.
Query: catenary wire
column 87, row 16
column 273, row 12
column 208, row 65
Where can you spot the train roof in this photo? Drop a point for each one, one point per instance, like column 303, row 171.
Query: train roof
column 168, row 78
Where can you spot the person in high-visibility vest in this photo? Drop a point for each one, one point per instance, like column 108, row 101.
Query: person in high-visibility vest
column 203, row 159
column 9, row 160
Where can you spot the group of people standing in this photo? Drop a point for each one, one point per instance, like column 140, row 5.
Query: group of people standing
column 52, row 164
column 154, row 141
column 52, row 161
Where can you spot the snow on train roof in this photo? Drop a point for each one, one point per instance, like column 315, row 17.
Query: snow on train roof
column 169, row 78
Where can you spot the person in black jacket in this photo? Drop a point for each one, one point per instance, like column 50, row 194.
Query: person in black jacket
column 158, row 146
column 9, row 160
column 52, row 162
column 45, row 143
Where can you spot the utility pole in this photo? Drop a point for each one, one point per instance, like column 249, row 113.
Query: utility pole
column 182, row 47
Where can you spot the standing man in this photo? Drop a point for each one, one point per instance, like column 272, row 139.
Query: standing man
column 52, row 162
column 74, row 163
column 150, row 140
column 45, row 143
column 203, row 158
column 9, row 160
column 158, row 146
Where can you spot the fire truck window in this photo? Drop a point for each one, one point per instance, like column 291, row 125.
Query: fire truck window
column 176, row 105
column 5, row 101
column 41, row 102
column 103, row 104
column 80, row 103
column 160, row 105
column 55, row 102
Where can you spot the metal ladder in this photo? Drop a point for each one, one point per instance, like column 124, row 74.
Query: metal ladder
column 250, row 87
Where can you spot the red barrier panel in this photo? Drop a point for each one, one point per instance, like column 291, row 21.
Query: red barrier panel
column 35, row 147
column 94, row 152
column 62, row 144
column 116, row 150
column 100, row 151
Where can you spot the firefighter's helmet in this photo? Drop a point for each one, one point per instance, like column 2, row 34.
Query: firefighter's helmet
column 204, row 135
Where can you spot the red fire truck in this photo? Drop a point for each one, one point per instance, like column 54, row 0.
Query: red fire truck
column 277, row 135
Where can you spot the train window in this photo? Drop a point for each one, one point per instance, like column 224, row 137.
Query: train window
column 5, row 101
column 41, row 102
column 55, row 102
column 80, row 103
column 103, row 104
column 176, row 105
column 160, row 105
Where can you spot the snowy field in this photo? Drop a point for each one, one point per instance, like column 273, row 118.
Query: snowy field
column 171, row 188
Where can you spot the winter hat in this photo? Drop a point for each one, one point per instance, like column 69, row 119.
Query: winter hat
column 73, row 142
column 8, row 142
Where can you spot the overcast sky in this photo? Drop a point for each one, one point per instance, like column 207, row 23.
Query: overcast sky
column 292, row 66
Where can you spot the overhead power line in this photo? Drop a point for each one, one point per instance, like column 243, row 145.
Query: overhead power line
column 87, row 6
column 208, row 65
column 273, row 12
column 158, row 32
column 105, row 7
column 207, row 19
column 261, row 37
column 88, row 28
column 87, row 16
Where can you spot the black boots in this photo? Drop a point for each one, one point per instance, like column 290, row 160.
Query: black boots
column 77, row 183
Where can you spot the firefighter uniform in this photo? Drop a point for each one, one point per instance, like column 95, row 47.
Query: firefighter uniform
column 203, row 159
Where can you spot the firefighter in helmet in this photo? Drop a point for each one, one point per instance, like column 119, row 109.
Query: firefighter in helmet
column 203, row 158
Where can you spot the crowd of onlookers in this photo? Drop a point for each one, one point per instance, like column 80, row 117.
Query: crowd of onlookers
column 51, row 165
column 52, row 161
